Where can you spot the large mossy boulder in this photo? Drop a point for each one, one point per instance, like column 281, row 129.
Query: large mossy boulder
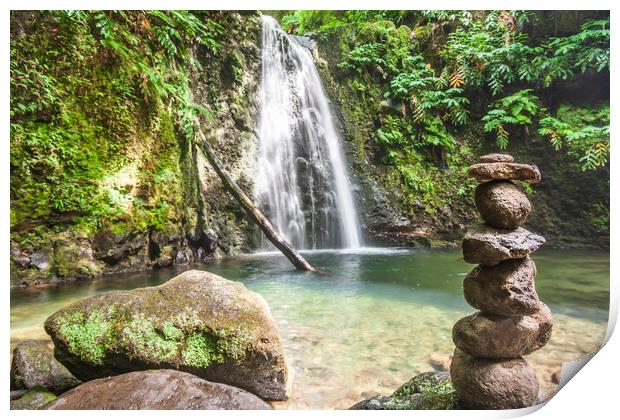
column 427, row 391
column 196, row 322
column 156, row 390
column 34, row 366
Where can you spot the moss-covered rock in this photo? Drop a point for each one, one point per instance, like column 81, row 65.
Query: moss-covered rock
column 197, row 322
column 427, row 391
column 34, row 366
column 33, row 400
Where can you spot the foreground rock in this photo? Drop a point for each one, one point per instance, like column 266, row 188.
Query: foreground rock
column 495, row 336
column 502, row 204
column 488, row 246
column 504, row 289
column 33, row 400
column 493, row 384
column 34, row 366
column 197, row 322
column 427, row 391
column 156, row 390
column 506, row 171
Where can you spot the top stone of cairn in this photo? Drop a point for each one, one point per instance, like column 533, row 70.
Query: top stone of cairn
column 495, row 157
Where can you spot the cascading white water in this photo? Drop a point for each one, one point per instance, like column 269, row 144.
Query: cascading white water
column 301, row 184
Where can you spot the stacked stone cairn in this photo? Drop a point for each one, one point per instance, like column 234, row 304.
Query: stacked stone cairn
column 488, row 370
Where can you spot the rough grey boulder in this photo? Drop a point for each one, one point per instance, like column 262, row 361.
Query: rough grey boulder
column 502, row 204
column 34, row 366
column 197, row 322
column 156, row 390
column 495, row 157
column 507, row 171
column 493, row 384
column 496, row 336
column 40, row 260
column 503, row 289
column 489, row 246
column 33, row 400
column 427, row 391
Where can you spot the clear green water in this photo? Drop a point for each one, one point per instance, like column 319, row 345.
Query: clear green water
column 373, row 322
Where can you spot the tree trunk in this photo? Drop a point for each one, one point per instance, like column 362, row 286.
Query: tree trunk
column 252, row 211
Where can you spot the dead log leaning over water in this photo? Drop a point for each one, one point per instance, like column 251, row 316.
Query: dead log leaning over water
column 250, row 208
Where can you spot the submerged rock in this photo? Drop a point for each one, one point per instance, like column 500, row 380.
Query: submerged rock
column 440, row 361
column 507, row 171
column 502, row 204
column 156, row 390
column 495, row 157
column 197, row 322
column 34, row 366
column 489, row 246
column 495, row 336
column 503, row 289
column 427, row 391
column 33, row 400
column 493, row 384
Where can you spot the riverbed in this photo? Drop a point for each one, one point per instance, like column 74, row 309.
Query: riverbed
column 373, row 320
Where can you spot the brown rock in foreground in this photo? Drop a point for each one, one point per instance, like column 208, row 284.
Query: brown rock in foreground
column 495, row 157
column 498, row 337
column 502, row 204
column 507, row 171
column 504, row 289
column 156, row 390
column 489, row 246
column 493, row 384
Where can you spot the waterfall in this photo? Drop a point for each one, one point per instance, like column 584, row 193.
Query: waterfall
column 301, row 182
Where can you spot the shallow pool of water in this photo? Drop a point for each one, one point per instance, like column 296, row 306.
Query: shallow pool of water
column 372, row 322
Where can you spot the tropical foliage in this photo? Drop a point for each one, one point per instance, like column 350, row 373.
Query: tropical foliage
column 444, row 66
column 82, row 84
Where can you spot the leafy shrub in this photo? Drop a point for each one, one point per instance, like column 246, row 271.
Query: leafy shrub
column 583, row 131
column 517, row 109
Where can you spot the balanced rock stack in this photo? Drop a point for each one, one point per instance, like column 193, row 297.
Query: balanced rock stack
column 488, row 370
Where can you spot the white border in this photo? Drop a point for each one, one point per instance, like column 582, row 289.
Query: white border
column 590, row 395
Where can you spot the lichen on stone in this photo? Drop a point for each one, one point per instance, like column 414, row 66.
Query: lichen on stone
column 171, row 332
column 427, row 391
column 140, row 333
column 87, row 335
column 428, row 383
column 201, row 350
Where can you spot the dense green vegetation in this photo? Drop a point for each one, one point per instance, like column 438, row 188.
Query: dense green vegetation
column 438, row 66
column 457, row 83
column 97, row 99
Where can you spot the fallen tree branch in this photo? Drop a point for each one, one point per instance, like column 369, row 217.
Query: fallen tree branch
column 250, row 208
